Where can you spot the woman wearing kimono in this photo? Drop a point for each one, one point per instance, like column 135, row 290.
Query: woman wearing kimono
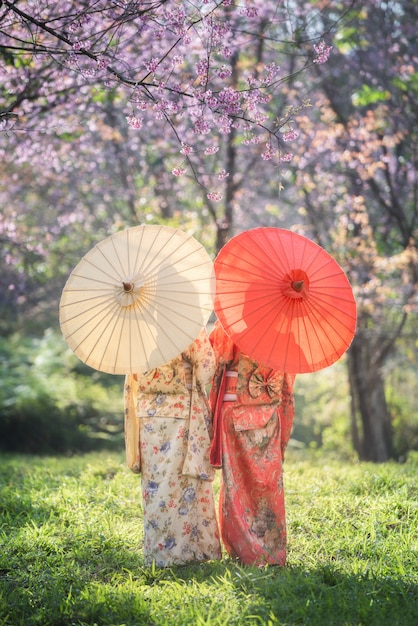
column 168, row 432
column 253, row 416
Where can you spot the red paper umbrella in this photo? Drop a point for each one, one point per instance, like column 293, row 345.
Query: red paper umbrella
column 284, row 300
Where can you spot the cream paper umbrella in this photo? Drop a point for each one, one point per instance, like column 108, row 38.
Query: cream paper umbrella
column 137, row 299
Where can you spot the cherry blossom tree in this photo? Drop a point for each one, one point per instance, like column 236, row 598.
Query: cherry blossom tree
column 358, row 186
column 109, row 110
column 170, row 62
column 203, row 73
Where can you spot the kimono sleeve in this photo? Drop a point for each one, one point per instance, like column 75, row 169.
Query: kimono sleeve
column 203, row 358
column 132, row 441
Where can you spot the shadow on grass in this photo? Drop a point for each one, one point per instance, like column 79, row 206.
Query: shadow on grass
column 61, row 575
column 108, row 585
column 322, row 596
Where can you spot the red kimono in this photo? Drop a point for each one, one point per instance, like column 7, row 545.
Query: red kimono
column 253, row 416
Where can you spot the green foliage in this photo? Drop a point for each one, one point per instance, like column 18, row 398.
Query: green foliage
column 50, row 402
column 410, row 84
column 322, row 418
column 367, row 95
column 70, row 550
column 402, row 398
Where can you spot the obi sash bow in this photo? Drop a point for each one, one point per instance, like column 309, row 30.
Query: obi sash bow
column 270, row 383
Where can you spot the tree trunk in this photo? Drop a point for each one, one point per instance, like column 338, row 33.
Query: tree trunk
column 371, row 421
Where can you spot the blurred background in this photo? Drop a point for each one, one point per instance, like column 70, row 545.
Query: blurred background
column 342, row 171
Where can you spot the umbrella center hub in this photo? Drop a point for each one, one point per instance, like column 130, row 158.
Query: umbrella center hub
column 128, row 291
column 296, row 284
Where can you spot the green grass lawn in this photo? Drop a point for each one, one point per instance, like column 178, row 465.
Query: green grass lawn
column 70, row 550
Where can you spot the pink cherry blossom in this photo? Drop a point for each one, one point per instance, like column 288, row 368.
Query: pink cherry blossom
column 322, row 52
column 134, row 121
column 215, row 196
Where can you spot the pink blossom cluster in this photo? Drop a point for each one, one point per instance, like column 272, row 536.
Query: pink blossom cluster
column 134, row 121
column 322, row 52
column 289, row 135
column 268, row 152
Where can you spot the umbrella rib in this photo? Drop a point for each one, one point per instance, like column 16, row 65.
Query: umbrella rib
column 177, row 259
column 94, row 279
column 286, row 335
column 108, row 341
column 205, row 263
column 84, row 311
column 283, row 309
column 146, row 263
column 79, row 328
column 327, row 306
column 148, row 266
column 301, row 322
column 256, row 249
column 315, row 326
column 142, row 343
column 148, row 319
column 140, row 231
column 90, row 299
column 128, row 252
column 166, row 317
column 268, row 300
column 187, row 255
column 90, row 332
column 323, row 297
column 157, row 344
column 112, row 318
column 149, row 316
column 100, row 269
column 195, row 305
column 268, row 304
column 313, row 279
column 193, row 281
column 121, row 271
column 90, row 289
column 249, row 266
column 318, row 322
column 336, row 316
column 185, row 317
column 314, row 313
column 268, row 252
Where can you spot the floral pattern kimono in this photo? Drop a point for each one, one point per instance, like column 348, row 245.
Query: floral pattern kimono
column 252, row 432
column 167, row 435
